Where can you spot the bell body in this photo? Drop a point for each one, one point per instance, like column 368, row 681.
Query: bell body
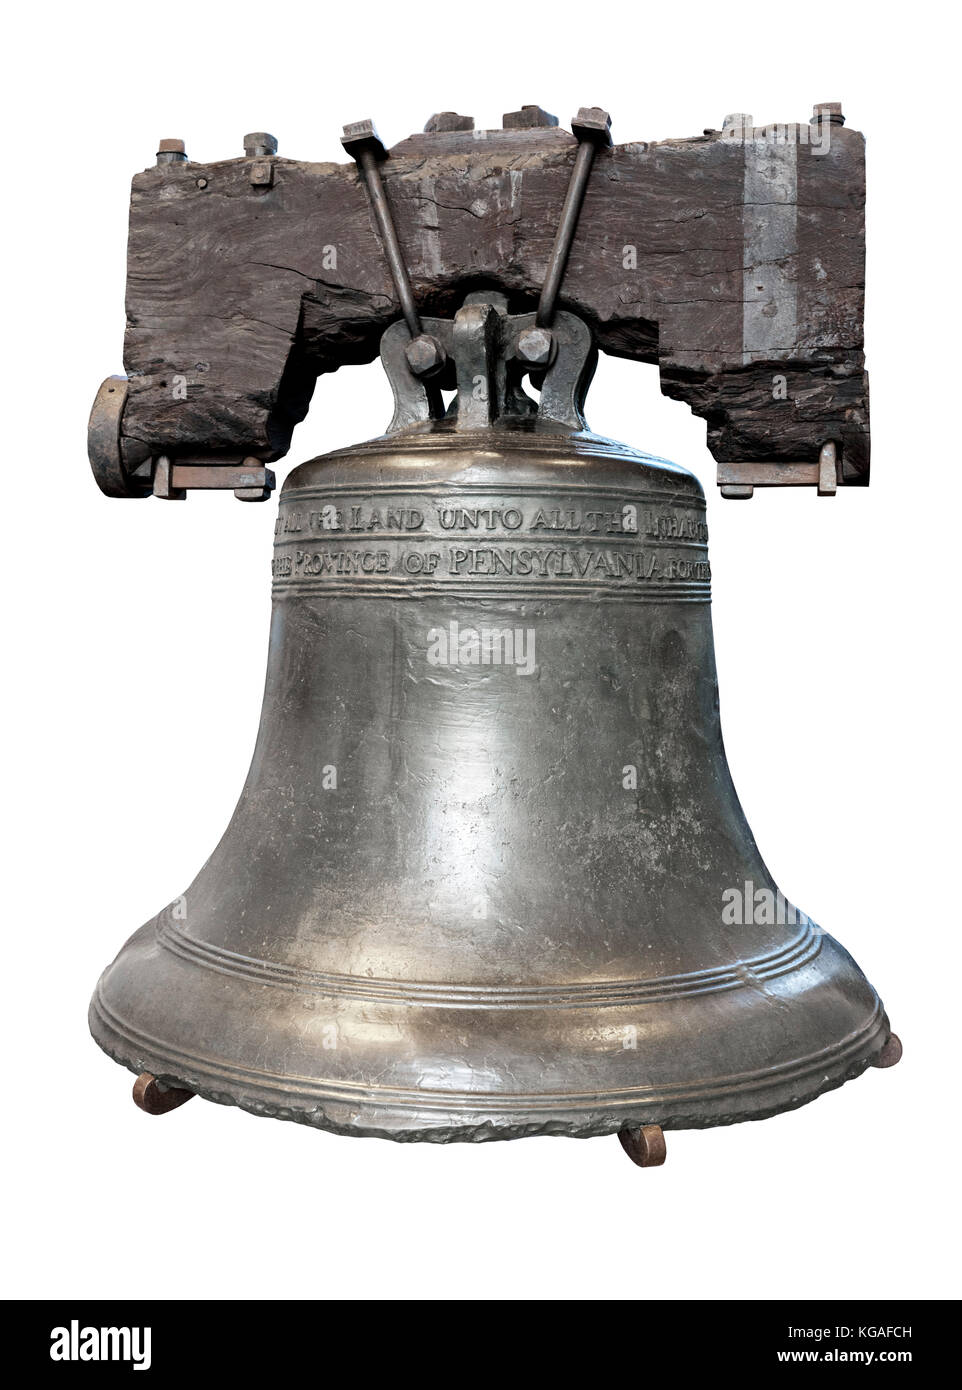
column 489, row 876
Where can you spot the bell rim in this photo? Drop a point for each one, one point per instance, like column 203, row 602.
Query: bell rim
column 415, row 1115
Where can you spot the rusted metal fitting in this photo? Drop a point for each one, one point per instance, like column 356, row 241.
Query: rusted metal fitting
column 830, row 111
column 364, row 145
column 259, row 145
column 117, row 465
column 528, row 118
column 425, row 355
column 536, row 347
column 171, row 152
column 592, row 126
column 891, row 1053
column 739, row 480
column 261, row 148
column 361, row 137
column 443, row 121
column 247, row 478
column 592, row 123
column 645, row 1146
column 154, row 1098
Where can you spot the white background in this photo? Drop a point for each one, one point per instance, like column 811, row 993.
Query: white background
column 136, row 641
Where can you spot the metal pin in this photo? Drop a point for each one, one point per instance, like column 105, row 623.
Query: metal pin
column 592, row 126
column 363, row 144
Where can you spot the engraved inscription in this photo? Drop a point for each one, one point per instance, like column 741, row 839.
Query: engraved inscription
column 360, row 519
column 390, row 542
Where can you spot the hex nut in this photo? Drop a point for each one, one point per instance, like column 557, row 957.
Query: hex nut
column 536, row 347
column 425, row 355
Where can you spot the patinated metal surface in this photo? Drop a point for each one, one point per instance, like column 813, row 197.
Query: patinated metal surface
column 475, row 885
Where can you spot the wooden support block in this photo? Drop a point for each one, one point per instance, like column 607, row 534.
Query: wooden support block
column 733, row 260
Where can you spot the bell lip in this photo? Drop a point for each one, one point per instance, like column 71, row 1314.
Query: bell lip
column 473, row 1117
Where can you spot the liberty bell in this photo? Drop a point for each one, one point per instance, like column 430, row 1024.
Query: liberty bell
column 489, row 876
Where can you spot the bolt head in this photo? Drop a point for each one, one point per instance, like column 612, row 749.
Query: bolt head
column 528, row 118
column 592, row 123
column 425, row 355
column 536, row 347
column 443, row 121
column 361, row 136
column 259, row 144
column 830, row 111
column 171, row 152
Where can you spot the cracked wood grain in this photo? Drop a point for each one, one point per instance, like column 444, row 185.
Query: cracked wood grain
column 737, row 268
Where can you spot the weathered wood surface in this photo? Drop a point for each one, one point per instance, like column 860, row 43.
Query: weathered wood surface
column 730, row 263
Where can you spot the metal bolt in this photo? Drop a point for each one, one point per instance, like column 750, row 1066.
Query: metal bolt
column 830, row 111
column 528, row 118
column 259, row 145
column 592, row 127
column 447, row 120
column 592, row 123
column 171, row 152
column 425, row 355
column 364, row 145
column 536, row 347
column 360, row 138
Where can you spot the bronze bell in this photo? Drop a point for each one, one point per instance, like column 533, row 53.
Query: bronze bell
column 489, row 876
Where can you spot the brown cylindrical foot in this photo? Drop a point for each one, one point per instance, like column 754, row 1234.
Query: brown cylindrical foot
column 155, row 1098
column 891, row 1052
column 645, row 1146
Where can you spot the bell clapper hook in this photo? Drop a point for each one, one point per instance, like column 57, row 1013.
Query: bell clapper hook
column 154, row 1098
column 645, row 1146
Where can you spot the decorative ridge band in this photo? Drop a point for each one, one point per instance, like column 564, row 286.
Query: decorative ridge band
column 307, row 1090
column 617, row 993
column 501, row 593
column 668, row 496
column 489, row 542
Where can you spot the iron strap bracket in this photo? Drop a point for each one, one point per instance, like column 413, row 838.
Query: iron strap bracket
column 532, row 343
column 738, row 481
